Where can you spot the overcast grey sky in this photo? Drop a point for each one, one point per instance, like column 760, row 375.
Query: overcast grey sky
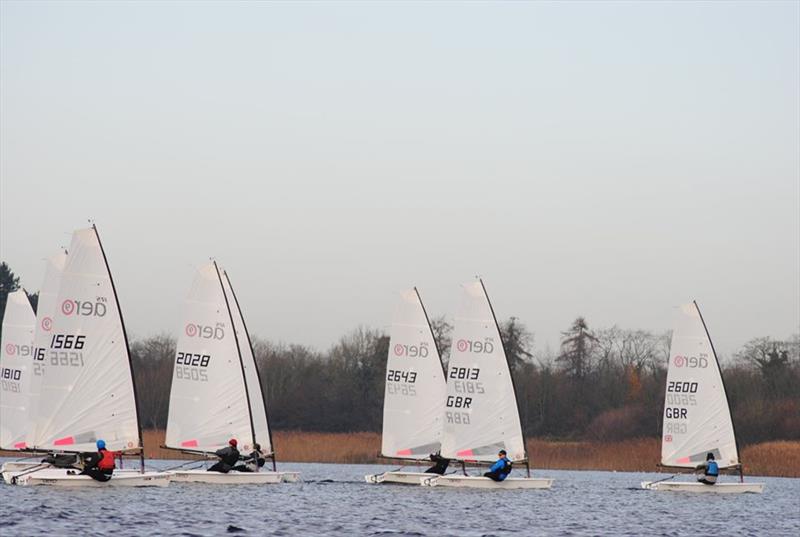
column 610, row 160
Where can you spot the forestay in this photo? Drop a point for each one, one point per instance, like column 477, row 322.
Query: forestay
column 255, row 394
column 16, row 370
column 413, row 405
column 481, row 414
column 207, row 405
column 697, row 419
column 45, row 313
column 87, row 389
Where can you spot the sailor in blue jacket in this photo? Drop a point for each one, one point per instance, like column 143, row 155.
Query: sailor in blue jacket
column 501, row 468
column 710, row 470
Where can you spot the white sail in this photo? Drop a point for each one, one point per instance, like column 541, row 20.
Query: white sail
column 207, row 404
column 87, row 389
column 45, row 313
column 16, row 370
column 481, row 414
column 697, row 419
column 254, row 392
column 413, row 404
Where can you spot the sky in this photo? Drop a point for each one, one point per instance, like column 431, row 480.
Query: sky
column 610, row 160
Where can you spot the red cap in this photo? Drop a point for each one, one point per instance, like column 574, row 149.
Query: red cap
column 233, row 442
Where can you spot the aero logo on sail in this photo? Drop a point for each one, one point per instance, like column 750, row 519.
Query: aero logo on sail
column 19, row 350
column 484, row 347
column 205, row 332
column 85, row 308
column 691, row 361
column 47, row 324
column 412, row 351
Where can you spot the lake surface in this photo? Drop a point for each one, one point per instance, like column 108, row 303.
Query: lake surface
column 333, row 499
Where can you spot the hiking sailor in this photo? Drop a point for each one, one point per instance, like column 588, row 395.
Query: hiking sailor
column 501, row 468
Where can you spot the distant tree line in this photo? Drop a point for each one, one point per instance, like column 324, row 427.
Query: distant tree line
column 602, row 385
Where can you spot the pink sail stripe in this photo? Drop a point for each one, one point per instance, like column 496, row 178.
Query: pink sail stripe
column 189, row 443
column 66, row 441
column 684, row 460
column 20, row 445
column 404, row 452
column 464, row 453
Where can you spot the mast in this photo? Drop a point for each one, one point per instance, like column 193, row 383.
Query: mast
column 258, row 374
column 513, row 386
column 724, row 390
column 239, row 351
column 127, row 349
column 433, row 336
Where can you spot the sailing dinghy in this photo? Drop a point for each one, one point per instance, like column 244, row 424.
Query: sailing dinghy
column 216, row 393
column 48, row 294
column 697, row 416
column 481, row 413
column 87, row 390
column 413, row 404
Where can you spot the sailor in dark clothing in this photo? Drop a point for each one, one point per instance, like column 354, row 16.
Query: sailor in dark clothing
column 253, row 462
column 228, row 456
column 500, row 469
column 440, row 464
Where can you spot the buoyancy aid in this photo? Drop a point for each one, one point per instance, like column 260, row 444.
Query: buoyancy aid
column 107, row 460
column 712, row 468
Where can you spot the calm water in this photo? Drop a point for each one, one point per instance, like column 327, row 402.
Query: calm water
column 335, row 500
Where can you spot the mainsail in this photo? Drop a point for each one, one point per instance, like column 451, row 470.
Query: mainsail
column 697, row 419
column 413, row 404
column 481, row 414
column 45, row 313
column 87, row 390
column 208, row 399
column 16, row 371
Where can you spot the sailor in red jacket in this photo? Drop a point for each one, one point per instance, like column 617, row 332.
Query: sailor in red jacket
column 101, row 465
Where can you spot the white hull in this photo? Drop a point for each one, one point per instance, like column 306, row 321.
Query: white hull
column 290, row 477
column 719, row 488
column 13, row 467
column 402, row 478
column 480, row 482
column 58, row 477
column 231, row 478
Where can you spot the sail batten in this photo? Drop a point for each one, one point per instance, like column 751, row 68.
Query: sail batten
column 481, row 413
column 697, row 418
column 415, row 388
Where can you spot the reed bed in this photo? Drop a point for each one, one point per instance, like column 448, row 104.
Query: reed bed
column 780, row 459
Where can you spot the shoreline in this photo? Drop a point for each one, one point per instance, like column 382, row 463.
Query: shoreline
column 770, row 459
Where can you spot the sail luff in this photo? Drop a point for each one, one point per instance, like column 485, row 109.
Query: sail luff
column 239, row 352
column 261, row 394
column 721, row 378
column 503, row 346
column 127, row 349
